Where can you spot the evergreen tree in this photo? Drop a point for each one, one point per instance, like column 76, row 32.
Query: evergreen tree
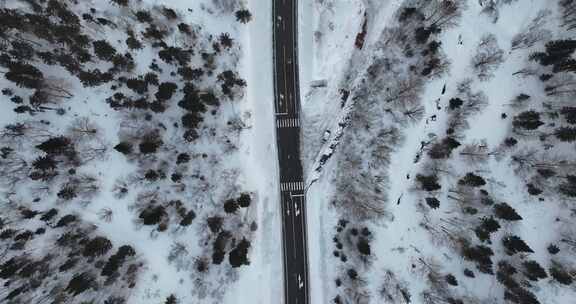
column 55, row 145
column 137, row 85
column 363, row 246
column 80, row 283
column 24, row 75
column 239, row 255
column 560, row 275
column 243, row 16
column 432, row 202
column 153, row 215
column 166, row 90
column 505, row 212
column 225, row 40
column 455, row 103
column 97, row 246
column 124, row 148
column 528, row 120
column 188, row 218
column 428, row 182
column 94, row 77
column 569, row 114
column 443, row 149
column 120, row 2
column 144, row 16
column 171, row 300
column 553, row 249
column 515, row 244
column 104, row 50
column 472, row 180
column 534, row 271
column 230, row 206
column 481, row 255
column 67, row 193
column 149, row 146
column 66, row 220
column 568, row 188
column 219, row 247
column 566, row 134
column 44, row 163
column 182, row 158
column 244, row 200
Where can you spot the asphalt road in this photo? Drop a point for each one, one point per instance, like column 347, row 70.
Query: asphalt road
column 287, row 106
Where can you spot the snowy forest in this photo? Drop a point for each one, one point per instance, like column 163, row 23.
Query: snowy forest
column 120, row 142
column 449, row 173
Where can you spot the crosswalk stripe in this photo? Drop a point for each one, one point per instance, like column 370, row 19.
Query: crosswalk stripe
column 292, row 186
column 288, row 123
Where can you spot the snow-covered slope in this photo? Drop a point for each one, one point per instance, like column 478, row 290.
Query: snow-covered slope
column 448, row 150
column 137, row 158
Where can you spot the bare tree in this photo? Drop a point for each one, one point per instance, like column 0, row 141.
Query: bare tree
column 105, row 214
column 82, row 128
column 568, row 13
column 14, row 168
column 488, row 57
column 533, row 33
column 476, row 153
column 442, row 13
column 393, row 290
column 564, row 84
column 405, row 92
